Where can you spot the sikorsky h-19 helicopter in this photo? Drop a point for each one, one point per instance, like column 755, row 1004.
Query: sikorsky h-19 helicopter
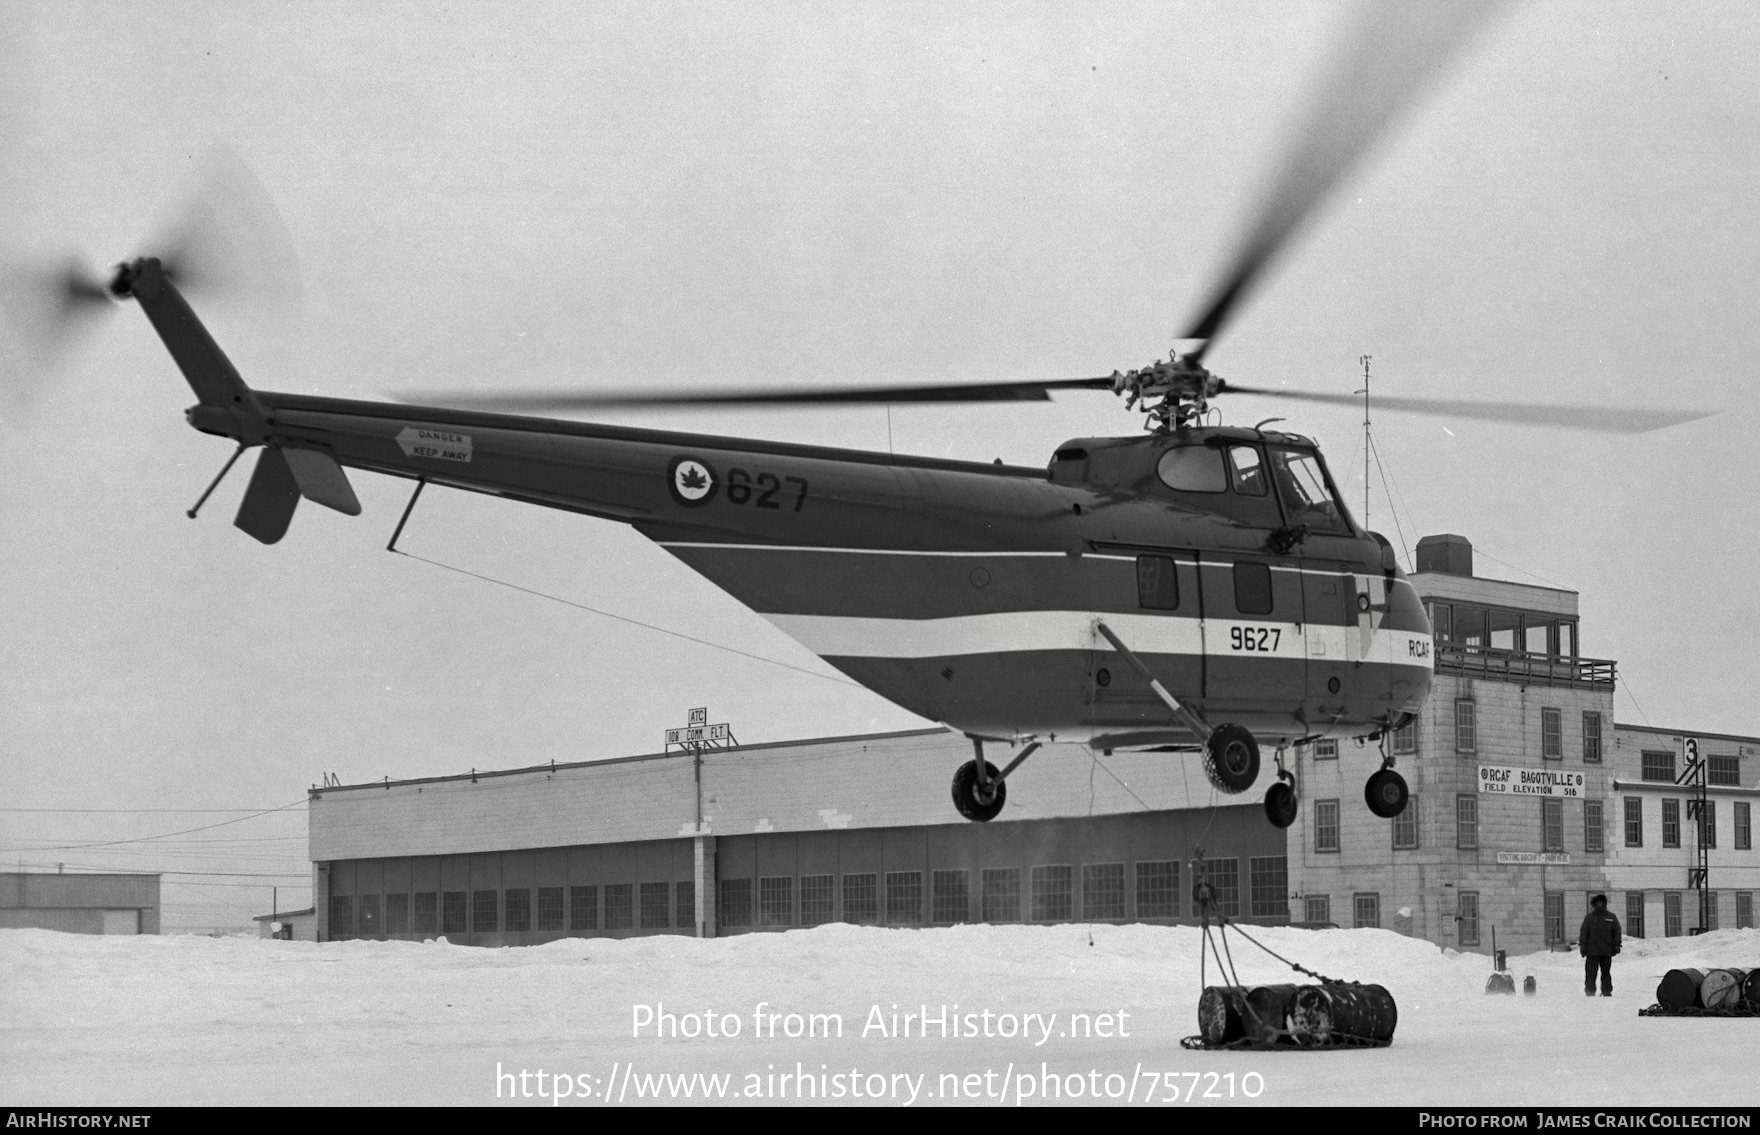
column 1197, row 587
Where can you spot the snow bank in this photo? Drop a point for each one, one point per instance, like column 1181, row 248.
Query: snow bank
column 1030, row 1011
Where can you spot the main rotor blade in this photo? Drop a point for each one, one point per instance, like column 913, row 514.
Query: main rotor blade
column 564, row 401
column 1397, row 46
column 1598, row 419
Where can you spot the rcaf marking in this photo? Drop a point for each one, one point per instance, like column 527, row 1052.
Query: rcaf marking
column 438, row 444
column 691, row 482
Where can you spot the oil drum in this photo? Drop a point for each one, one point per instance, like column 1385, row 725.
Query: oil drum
column 1329, row 1014
column 1679, row 989
column 1268, row 1022
column 1722, row 988
column 1751, row 990
column 1220, row 1016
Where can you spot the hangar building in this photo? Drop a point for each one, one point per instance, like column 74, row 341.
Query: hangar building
column 766, row 837
column 80, row 903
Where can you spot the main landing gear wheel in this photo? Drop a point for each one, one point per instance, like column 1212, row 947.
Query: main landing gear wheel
column 1280, row 805
column 969, row 796
column 1231, row 758
column 1386, row 794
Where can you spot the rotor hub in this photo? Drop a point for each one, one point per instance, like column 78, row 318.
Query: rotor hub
column 1173, row 392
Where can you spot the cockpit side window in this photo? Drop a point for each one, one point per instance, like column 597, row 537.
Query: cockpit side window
column 1302, row 487
column 1192, row 469
column 1247, row 469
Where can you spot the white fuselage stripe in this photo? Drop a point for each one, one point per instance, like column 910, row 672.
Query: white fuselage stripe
column 845, row 636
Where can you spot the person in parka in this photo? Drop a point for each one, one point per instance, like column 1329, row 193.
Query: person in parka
column 1598, row 941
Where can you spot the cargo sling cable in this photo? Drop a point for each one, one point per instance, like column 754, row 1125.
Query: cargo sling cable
column 1230, row 1018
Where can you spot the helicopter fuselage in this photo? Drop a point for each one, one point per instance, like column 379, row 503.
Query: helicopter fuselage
column 969, row 593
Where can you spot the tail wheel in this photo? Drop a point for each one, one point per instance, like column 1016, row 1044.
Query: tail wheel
column 1280, row 805
column 970, row 798
column 1386, row 794
column 1231, row 758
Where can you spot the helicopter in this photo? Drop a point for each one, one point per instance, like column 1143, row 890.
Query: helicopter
column 1195, row 587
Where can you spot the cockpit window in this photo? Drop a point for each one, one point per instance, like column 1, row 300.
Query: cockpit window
column 1301, row 486
column 1248, row 470
column 1192, row 469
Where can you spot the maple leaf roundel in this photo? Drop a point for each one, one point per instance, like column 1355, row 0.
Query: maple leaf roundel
column 691, row 481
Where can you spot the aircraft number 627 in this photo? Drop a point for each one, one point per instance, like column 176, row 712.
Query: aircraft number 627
column 1257, row 639
column 761, row 491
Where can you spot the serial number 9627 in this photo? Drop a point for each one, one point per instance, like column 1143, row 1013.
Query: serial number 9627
column 1262, row 640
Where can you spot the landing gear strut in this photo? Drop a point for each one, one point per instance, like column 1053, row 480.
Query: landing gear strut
column 979, row 791
column 1386, row 792
column 1280, row 798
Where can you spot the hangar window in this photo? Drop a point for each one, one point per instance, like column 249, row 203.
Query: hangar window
column 1158, row 889
column 1469, row 626
column 1102, row 891
column 1001, row 897
column 620, row 907
column 1635, row 914
column 904, row 898
column 1317, row 908
column 861, row 899
column 1192, row 469
column 424, row 913
column 519, row 908
column 368, row 911
column 1225, row 879
column 1157, row 585
column 1052, row 900
column 1634, row 821
column 687, row 904
column 1405, row 827
column 1252, row 589
column 1744, row 910
column 1325, row 825
column 815, row 900
column 341, row 916
column 1592, row 831
column 1466, row 822
column 1504, row 626
column 397, row 914
column 1726, row 771
column 549, row 908
column 1466, row 726
column 1326, row 749
column 1591, row 738
column 950, row 897
column 1744, row 826
column 1671, row 823
column 656, row 899
column 1405, row 738
column 1552, row 824
column 1671, row 914
column 1658, row 766
column 735, row 902
column 1707, row 817
column 1711, row 912
column 1268, row 876
column 1366, row 909
column 583, row 908
column 485, row 912
column 776, row 900
column 1551, row 734
column 452, row 911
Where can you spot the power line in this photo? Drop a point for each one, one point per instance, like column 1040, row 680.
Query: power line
column 110, row 811
column 167, row 835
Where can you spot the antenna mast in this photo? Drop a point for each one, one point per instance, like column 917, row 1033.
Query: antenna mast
column 1365, row 393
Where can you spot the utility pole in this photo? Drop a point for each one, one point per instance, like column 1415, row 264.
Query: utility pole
column 1365, row 393
column 1698, row 810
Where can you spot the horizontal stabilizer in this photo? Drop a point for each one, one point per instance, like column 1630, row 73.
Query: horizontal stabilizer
column 321, row 480
column 267, row 508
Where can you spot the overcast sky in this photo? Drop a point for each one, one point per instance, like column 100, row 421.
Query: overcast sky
column 483, row 195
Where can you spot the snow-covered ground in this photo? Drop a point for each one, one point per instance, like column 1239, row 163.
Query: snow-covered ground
column 164, row 1020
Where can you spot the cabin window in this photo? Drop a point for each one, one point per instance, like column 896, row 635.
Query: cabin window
column 1248, row 470
column 1157, row 585
column 1301, row 485
column 1193, row 469
column 1252, row 589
